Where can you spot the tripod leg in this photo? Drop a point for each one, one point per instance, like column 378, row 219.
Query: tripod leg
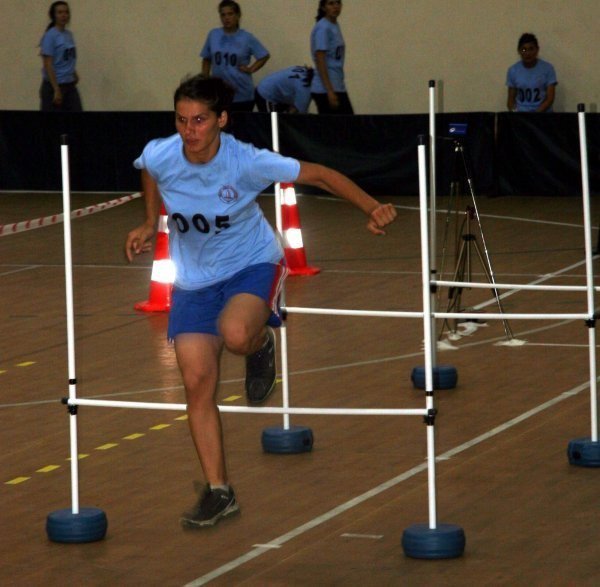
column 488, row 274
column 455, row 293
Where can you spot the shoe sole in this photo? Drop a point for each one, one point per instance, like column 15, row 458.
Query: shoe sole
column 256, row 402
column 229, row 511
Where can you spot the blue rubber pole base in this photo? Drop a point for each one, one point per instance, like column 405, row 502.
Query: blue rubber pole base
column 584, row 452
column 89, row 525
column 293, row 440
column 444, row 377
column 445, row 541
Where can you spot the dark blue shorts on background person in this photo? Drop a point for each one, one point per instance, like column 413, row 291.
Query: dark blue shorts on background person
column 198, row 310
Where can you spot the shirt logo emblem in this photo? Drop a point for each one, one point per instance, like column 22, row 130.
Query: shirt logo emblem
column 228, row 194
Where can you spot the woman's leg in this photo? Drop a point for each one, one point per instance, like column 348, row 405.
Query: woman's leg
column 198, row 357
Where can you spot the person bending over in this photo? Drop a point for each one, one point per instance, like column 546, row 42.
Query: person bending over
column 287, row 90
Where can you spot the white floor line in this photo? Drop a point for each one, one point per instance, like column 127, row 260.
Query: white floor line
column 298, row 371
column 556, row 344
column 277, row 542
column 496, row 216
column 534, row 282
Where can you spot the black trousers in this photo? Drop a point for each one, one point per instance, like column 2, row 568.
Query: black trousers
column 323, row 106
column 263, row 105
column 243, row 106
column 71, row 100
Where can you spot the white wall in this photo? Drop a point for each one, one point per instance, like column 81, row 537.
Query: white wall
column 132, row 53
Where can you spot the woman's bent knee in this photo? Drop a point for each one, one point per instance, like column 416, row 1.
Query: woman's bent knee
column 237, row 338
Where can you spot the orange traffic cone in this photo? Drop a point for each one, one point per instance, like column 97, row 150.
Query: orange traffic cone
column 163, row 271
column 292, row 233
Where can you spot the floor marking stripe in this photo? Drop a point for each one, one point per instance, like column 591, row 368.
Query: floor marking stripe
column 17, row 480
column 25, row 364
column 265, row 546
column 232, row 398
column 48, row 468
column 252, row 554
column 106, row 446
column 184, row 417
column 366, row 536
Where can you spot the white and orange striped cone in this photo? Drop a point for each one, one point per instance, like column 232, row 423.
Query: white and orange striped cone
column 163, row 272
column 295, row 255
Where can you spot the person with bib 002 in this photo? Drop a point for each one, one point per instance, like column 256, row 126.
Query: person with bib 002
column 531, row 81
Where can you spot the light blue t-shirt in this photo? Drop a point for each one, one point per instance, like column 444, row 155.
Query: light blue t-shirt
column 531, row 84
column 60, row 45
column 327, row 36
column 216, row 228
column 290, row 86
column 227, row 51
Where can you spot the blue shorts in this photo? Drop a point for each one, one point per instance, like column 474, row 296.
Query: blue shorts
column 198, row 310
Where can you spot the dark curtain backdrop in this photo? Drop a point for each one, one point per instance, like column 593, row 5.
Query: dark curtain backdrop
column 505, row 154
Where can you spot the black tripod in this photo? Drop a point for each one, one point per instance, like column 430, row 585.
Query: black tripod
column 466, row 242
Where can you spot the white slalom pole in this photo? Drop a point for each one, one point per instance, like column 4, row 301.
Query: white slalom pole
column 427, row 330
column 64, row 149
column 432, row 178
column 432, row 211
column 282, row 330
column 585, row 186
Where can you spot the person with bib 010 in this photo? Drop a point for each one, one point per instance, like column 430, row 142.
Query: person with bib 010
column 227, row 53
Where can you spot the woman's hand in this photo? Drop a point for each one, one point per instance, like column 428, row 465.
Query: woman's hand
column 333, row 100
column 58, row 97
column 383, row 215
column 139, row 240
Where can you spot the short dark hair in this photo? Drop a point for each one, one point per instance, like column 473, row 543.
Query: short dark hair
column 230, row 4
column 527, row 38
column 321, row 10
column 212, row 91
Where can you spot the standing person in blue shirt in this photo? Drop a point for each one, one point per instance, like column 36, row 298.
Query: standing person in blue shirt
column 328, row 51
column 228, row 51
column 287, row 90
column 229, row 263
column 531, row 81
column 59, row 57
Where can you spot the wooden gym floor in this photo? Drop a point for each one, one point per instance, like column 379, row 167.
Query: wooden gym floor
column 334, row 516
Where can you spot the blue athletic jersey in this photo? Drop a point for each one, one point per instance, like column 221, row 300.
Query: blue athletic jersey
column 60, row 45
column 289, row 86
column 227, row 51
column 216, row 228
column 327, row 36
column 531, row 83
